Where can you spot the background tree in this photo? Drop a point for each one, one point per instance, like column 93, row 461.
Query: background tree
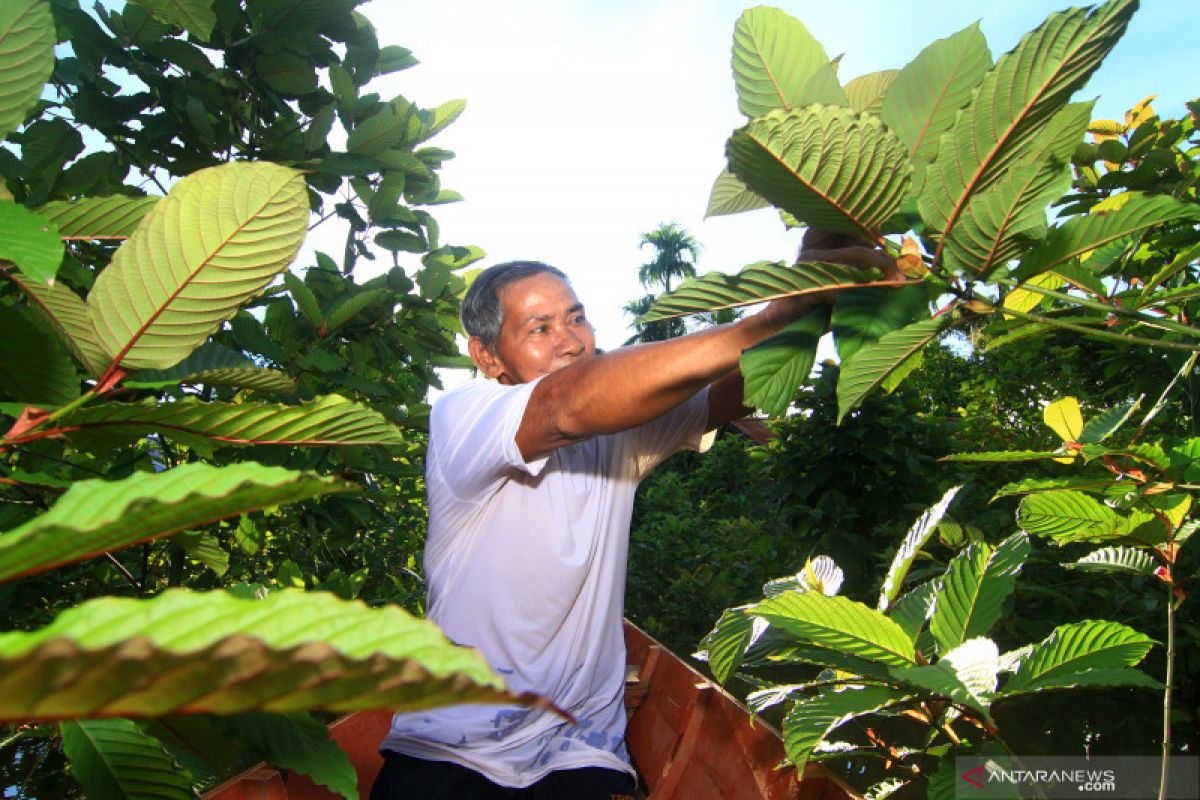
column 675, row 253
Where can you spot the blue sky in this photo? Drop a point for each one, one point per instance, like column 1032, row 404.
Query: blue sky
column 591, row 122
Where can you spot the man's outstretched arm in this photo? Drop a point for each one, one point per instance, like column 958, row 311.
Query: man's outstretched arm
column 633, row 385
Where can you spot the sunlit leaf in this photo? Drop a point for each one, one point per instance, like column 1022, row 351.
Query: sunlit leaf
column 70, row 318
column 777, row 64
column 927, row 94
column 213, row 653
column 1075, row 482
column 820, row 574
column 866, row 92
column 97, row 516
column 1108, row 422
column 1070, row 516
column 912, row 610
column 730, row 196
column 1004, row 456
column 838, row 623
column 967, row 674
column 914, row 540
column 829, row 167
column 1064, row 418
column 218, row 238
column 1023, row 299
column 811, row 719
column 727, row 642
column 1116, row 559
column 1075, row 648
column 113, row 217
column 973, row 591
column 26, row 58
column 758, row 282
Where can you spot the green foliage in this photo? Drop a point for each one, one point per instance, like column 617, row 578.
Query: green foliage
column 160, row 174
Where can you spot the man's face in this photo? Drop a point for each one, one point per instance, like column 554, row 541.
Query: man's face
column 544, row 330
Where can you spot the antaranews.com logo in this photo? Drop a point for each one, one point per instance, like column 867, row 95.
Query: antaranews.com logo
column 1131, row 777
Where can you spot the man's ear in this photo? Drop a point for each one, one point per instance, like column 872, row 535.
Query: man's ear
column 484, row 357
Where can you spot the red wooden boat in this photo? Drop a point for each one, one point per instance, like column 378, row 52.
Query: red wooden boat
column 690, row 740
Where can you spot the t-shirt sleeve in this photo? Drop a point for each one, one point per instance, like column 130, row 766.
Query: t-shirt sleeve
column 473, row 436
column 681, row 428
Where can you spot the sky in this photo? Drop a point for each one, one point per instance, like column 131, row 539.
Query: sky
column 589, row 123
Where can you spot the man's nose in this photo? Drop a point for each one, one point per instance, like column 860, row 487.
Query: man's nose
column 569, row 343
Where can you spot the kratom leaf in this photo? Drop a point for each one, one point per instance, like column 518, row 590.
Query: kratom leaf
column 866, row 92
column 1031, row 485
column 922, row 102
column 1076, row 647
column 820, row 574
column 873, row 363
column 916, row 538
column 756, row 283
column 194, row 16
column 70, row 318
column 1004, row 456
column 306, row 301
column 438, row 119
column 97, row 516
column 840, row 624
column 1064, row 418
column 1070, row 516
column 286, row 72
column 777, row 64
column 974, row 589
column 29, row 241
column 912, row 610
column 1013, row 103
column 1117, row 559
column 727, row 642
column 774, row 369
column 1025, row 299
column 214, row 242
column 967, row 674
column 34, row 365
column 1108, row 422
column 26, row 59
column 377, row 133
column 328, row 420
column 342, row 311
column 1095, row 677
column 113, row 217
column 863, row 316
column 186, row 652
column 730, row 196
column 998, row 225
column 297, row 742
column 1080, row 234
column 216, row 365
column 827, row 166
column 115, row 760
column 203, row 547
column 809, row 720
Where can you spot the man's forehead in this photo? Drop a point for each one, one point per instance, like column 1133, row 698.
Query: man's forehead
column 542, row 289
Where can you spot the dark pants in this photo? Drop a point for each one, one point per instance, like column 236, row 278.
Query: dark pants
column 404, row 777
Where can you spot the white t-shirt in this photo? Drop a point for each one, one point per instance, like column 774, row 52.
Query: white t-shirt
column 526, row 562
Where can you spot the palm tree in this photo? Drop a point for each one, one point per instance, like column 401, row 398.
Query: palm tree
column 675, row 254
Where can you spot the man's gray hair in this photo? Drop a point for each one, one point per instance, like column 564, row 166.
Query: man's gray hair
column 481, row 313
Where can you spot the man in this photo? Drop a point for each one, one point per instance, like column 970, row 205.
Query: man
column 531, row 479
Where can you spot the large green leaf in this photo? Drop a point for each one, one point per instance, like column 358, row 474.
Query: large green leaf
column 113, row 217
column 26, row 58
column 194, row 16
column 1070, row 516
column 838, row 623
column 777, row 64
column 214, row 242
column 1117, row 559
column 974, row 589
column 97, row 516
column 1031, row 485
column 916, row 538
column 726, row 643
column 297, row 742
column 115, row 760
column 911, row 610
column 215, row 364
column 757, row 283
column 1014, row 102
column 329, row 420
column 1075, row 648
column 809, row 720
column 865, row 93
column 34, row 365
column 873, row 363
column 30, row 241
column 188, row 652
column 829, row 167
column 730, row 196
column 1004, row 456
column 70, row 318
column 1081, row 234
column 922, row 102
column 774, row 369
column 863, row 316
column 967, row 674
